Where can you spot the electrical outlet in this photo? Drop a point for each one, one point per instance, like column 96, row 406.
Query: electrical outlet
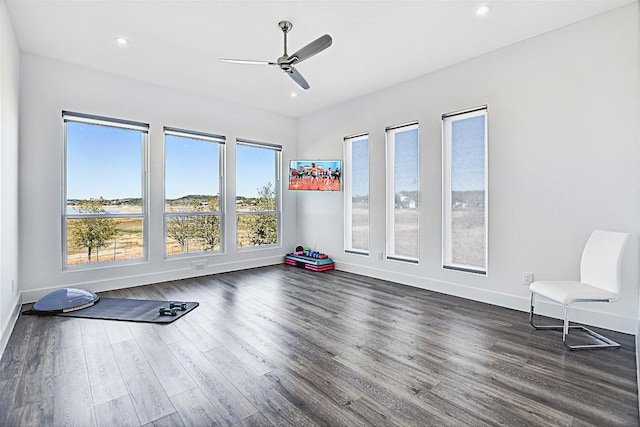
column 527, row 278
column 380, row 256
column 198, row 265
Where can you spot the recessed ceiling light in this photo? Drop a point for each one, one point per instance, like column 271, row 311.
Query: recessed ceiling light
column 122, row 40
column 293, row 94
column 482, row 10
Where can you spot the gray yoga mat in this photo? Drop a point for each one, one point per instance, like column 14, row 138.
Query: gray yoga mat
column 132, row 310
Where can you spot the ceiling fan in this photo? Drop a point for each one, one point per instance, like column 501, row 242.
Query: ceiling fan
column 286, row 62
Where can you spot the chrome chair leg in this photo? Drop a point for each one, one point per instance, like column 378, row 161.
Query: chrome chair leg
column 606, row 343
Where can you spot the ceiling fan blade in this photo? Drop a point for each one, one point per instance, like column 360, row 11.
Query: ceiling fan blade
column 311, row 49
column 297, row 77
column 246, row 61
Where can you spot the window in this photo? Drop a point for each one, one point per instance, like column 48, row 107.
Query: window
column 105, row 215
column 356, row 195
column 403, row 192
column 193, row 213
column 257, row 193
column 464, row 149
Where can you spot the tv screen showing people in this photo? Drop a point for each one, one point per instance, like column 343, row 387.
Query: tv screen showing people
column 315, row 175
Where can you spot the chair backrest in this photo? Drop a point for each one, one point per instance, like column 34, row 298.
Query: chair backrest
column 601, row 260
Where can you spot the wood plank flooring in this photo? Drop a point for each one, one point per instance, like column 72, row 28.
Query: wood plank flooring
column 281, row 346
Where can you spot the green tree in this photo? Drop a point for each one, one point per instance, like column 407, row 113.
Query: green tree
column 206, row 228
column 263, row 228
column 92, row 232
column 180, row 229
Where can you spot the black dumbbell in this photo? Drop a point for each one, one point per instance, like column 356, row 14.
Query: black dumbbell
column 168, row 312
column 180, row 305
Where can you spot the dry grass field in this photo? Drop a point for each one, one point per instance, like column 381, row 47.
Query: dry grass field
column 360, row 226
column 467, row 234
column 467, row 237
column 407, row 233
column 128, row 243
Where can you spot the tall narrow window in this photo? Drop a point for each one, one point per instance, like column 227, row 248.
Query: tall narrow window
column 193, row 213
column 257, row 193
column 356, row 195
column 403, row 192
column 105, row 214
column 464, row 149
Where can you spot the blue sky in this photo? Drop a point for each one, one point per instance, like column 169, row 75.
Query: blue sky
column 103, row 162
column 467, row 154
column 406, row 163
column 191, row 167
column 255, row 167
column 360, row 172
column 106, row 162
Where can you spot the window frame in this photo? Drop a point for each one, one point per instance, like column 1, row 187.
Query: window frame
column 277, row 149
column 214, row 139
column 348, row 193
column 390, row 190
column 143, row 128
column 447, row 246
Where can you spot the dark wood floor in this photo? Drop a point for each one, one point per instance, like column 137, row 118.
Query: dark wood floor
column 283, row 346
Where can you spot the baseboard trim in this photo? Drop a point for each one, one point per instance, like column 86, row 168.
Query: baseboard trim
column 7, row 328
column 578, row 314
column 33, row 295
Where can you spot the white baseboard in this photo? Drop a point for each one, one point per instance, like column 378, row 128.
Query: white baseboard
column 7, row 328
column 583, row 315
column 156, row 277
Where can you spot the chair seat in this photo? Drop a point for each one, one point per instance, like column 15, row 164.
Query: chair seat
column 565, row 292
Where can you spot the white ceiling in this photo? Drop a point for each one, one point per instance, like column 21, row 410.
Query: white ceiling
column 376, row 44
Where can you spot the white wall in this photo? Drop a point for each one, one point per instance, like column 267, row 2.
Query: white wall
column 48, row 87
column 9, row 106
column 638, row 312
column 563, row 160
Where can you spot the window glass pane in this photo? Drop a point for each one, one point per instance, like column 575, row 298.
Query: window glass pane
column 357, row 193
column 192, row 233
column 104, row 162
column 255, row 178
column 257, row 230
column 192, row 175
column 257, row 192
column 92, row 240
column 465, row 212
column 406, row 189
column 105, row 213
column 192, row 186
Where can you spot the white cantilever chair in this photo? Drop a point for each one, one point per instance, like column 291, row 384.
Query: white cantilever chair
column 599, row 282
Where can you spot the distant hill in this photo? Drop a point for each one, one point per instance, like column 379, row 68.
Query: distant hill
column 111, row 202
column 138, row 201
column 201, row 197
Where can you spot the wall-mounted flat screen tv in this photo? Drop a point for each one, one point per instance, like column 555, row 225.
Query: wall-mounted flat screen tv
column 315, row 175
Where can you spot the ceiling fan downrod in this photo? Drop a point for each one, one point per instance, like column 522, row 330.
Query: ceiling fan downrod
column 285, row 26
